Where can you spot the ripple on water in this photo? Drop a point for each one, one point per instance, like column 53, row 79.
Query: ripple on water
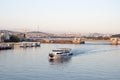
column 89, row 62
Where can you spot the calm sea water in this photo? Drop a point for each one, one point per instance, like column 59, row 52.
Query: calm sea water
column 91, row 61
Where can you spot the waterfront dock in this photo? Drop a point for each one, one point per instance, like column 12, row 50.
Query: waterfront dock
column 29, row 44
column 6, row 46
column 61, row 41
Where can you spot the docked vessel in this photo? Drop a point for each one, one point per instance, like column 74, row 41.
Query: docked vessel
column 60, row 53
column 5, row 46
column 30, row 44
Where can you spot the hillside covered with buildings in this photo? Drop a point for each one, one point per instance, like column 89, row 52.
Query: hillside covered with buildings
column 6, row 35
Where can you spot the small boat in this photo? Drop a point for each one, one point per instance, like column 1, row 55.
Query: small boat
column 30, row 44
column 37, row 44
column 5, row 46
column 60, row 53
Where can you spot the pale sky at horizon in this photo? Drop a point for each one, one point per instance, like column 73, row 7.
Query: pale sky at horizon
column 61, row 15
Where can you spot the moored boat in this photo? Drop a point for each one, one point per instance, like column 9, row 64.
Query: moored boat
column 5, row 46
column 30, row 44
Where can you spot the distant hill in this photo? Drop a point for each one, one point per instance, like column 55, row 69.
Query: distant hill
column 10, row 32
column 97, row 34
column 116, row 35
column 32, row 32
column 6, row 31
column 40, row 33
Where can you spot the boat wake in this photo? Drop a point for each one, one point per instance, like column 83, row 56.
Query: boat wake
column 77, row 52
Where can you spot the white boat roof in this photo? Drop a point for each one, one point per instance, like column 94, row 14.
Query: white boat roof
column 65, row 48
column 61, row 49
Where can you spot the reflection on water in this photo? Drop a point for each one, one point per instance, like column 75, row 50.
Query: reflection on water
column 64, row 59
column 88, row 62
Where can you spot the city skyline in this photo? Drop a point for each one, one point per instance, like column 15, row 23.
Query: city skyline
column 86, row 16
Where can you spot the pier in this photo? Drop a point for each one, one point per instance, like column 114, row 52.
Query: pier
column 6, row 46
column 72, row 41
column 61, row 41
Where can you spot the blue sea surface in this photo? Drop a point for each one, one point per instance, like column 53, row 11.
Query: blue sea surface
column 90, row 61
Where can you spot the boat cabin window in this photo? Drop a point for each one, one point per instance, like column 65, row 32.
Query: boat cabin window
column 59, row 53
column 57, row 50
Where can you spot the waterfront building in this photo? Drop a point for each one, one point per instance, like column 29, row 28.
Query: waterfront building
column 6, row 35
column 115, row 41
column 76, row 40
column 21, row 36
column 1, row 37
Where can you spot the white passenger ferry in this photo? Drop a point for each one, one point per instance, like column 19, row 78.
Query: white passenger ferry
column 59, row 53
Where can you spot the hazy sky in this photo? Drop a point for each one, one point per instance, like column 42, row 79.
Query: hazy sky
column 61, row 15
